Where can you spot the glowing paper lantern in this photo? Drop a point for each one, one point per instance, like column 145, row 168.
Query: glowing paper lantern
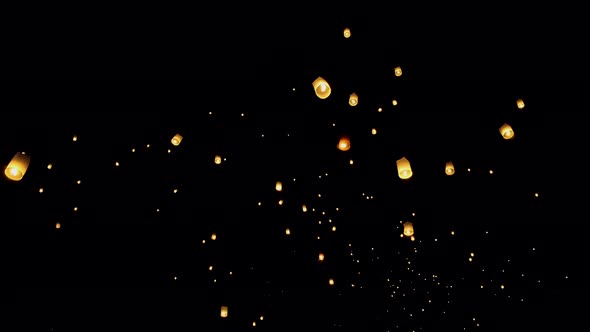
column 520, row 103
column 408, row 228
column 344, row 143
column 176, row 139
column 449, row 168
column 322, row 88
column 397, row 71
column 218, row 159
column 353, row 99
column 17, row 167
column 321, row 257
column 346, row 33
column 279, row 186
column 506, row 131
column 223, row 312
column 404, row 170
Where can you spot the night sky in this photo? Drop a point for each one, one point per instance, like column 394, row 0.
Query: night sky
column 113, row 227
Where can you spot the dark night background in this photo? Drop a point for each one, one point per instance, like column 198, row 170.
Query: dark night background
column 238, row 83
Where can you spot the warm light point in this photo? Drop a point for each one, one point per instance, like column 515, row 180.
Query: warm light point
column 374, row 131
column 394, row 102
column 331, row 282
column 50, row 166
column 57, row 225
column 41, row 190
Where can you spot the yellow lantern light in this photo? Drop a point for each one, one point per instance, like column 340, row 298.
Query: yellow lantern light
column 57, row 225
column 279, row 186
column 322, row 88
column 404, row 170
column 353, row 99
column 331, row 282
column 321, row 257
column 17, row 167
column 344, row 143
column 224, row 312
column 346, row 33
column 449, row 168
column 304, row 208
column 176, row 139
column 506, row 131
column 520, row 103
column 398, row 71
column 218, row 159
column 213, row 236
column 408, row 228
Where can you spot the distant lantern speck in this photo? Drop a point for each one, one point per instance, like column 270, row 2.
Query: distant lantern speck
column 176, row 139
column 506, row 131
column 404, row 170
column 17, row 167
column 346, row 33
column 344, row 143
column 322, row 88
column 449, row 168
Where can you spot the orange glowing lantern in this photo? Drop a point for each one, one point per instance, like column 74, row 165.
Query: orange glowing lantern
column 520, row 103
column 176, row 139
column 321, row 257
column 506, row 131
column 344, row 143
column 223, row 312
column 322, row 88
column 218, row 159
column 397, row 71
column 279, row 186
column 353, row 99
column 17, row 167
column 408, row 228
column 346, row 33
column 449, row 168
column 404, row 170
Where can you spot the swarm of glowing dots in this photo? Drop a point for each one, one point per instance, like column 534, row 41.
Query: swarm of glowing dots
column 344, row 143
column 506, row 131
column 217, row 159
column 346, row 33
column 397, row 71
column 322, row 88
column 520, row 103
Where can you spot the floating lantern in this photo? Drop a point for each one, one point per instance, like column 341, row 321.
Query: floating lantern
column 17, row 167
column 506, row 131
column 223, row 312
column 279, row 186
column 403, row 168
column 176, row 139
column 449, row 168
column 408, row 228
column 353, row 99
column 218, row 159
column 346, row 33
column 344, row 143
column 397, row 71
column 322, row 88
column 520, row 103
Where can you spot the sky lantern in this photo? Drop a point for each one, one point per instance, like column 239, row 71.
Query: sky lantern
column 223, row 312
column 404, row 170
column 346, row 33
column 397, row 71
column 322, row 88
column 279, row 186
column 17, row 167
column 217, row 159
column 408, row 228
column 449, row 168
column 519, row 103
column 344, row 143
column 353, row 99
column 176, row 139
column 321, row 257
column 506, row 131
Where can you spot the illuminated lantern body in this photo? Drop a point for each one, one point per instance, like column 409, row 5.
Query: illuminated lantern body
column 404, row 170
column 218, row 159
column 520, row 103
column 279, row 186
column 408, row 228
column 506, row 131
column 176, row 139
column 398, row 71
column 449, row 168
column 322, row 88
column 321, row 257
column 344, row 143
column 346, row 33
column 353, row 100
column 223, row 313
column 17, row 167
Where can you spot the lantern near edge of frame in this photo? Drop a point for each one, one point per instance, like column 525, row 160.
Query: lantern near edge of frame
column 17, row 167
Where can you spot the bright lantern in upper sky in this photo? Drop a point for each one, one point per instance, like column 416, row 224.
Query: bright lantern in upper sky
column 520, row 103
column 449, row 168
column 397, row 71
column 322, row 88
column 346, row 33
column 353, row 99
column 17, row 167
column 506, row 131
column 344, row 143
column 176, row 139
column 408, row 228
column 403, row 168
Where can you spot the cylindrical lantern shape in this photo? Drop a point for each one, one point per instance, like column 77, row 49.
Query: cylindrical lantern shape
column 449, row 168
column 218, row 159
column 279, row 186
column 176, row 139
column 344, row 143
column 408, row 228
column 403, row 168
column 346, row 33
column 223, row 312
column 397, row 71
column 520, row 103
column 17, row 167
column 353, row 99
column 322, row 88
column 506, row 131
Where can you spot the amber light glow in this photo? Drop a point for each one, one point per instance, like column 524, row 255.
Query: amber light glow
column 322, row 88
column 17, row 167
